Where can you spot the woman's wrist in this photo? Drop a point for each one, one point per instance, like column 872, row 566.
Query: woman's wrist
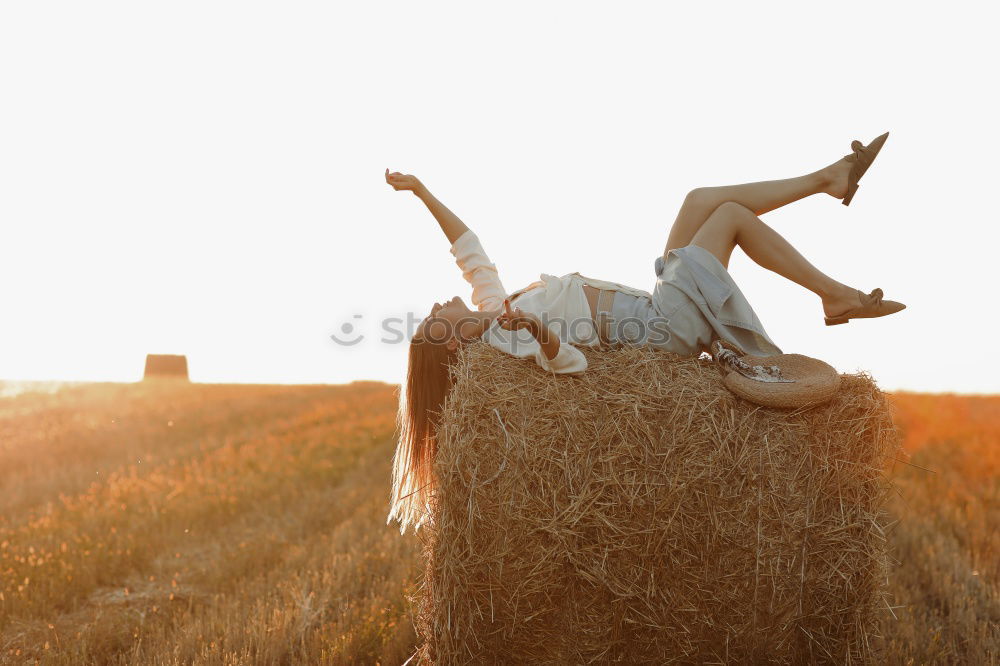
column 545, row 338
column 535, row 326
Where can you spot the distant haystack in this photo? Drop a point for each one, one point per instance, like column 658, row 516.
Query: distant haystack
column 170, row 366
column 641, row 513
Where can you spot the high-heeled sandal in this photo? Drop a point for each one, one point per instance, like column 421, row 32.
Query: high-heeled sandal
column 872, row 305
column 863, row 158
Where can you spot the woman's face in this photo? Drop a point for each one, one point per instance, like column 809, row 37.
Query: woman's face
column 445, row 321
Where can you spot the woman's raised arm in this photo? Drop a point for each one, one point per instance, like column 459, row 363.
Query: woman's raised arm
column 452, row 227
column 487, row 290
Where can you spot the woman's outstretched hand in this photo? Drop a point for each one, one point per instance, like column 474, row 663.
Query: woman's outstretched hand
column 402, row 181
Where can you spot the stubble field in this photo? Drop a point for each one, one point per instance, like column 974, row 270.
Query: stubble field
column 175, row 523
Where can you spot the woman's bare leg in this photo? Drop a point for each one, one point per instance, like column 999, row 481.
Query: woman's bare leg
column 758, row 197
column 733, row 224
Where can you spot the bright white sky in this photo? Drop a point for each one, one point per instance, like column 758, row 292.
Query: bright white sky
column 206, row 178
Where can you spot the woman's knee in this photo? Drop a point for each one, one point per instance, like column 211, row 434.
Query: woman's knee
column 727, row 215
column 702, row 198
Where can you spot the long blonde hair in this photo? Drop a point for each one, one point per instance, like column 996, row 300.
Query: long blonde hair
column 426, row 387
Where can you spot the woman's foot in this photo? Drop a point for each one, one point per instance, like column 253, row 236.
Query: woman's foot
column 833, row 178
column 839, row 303
column 843, row 306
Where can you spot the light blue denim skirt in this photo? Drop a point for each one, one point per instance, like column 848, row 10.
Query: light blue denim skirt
column 694, row 300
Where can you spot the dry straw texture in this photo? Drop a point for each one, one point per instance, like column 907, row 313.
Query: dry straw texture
column 641, row 513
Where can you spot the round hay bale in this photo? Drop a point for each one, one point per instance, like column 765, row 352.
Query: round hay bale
column 172, row 366
column 641, row 513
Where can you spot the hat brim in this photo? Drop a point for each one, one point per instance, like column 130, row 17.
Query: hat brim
column 814, row 382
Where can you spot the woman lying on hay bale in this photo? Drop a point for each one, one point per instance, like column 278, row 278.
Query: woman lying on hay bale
column 694, row 300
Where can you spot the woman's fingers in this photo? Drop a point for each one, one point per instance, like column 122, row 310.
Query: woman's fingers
column 400, row 180
column 511, row 319
column 505, row 317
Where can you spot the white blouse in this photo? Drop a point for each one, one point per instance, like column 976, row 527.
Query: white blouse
column 559, row 302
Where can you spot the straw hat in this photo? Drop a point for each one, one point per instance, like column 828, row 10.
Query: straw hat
column 781, row 380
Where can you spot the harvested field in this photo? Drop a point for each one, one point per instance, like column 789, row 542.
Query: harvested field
column 253, row 527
